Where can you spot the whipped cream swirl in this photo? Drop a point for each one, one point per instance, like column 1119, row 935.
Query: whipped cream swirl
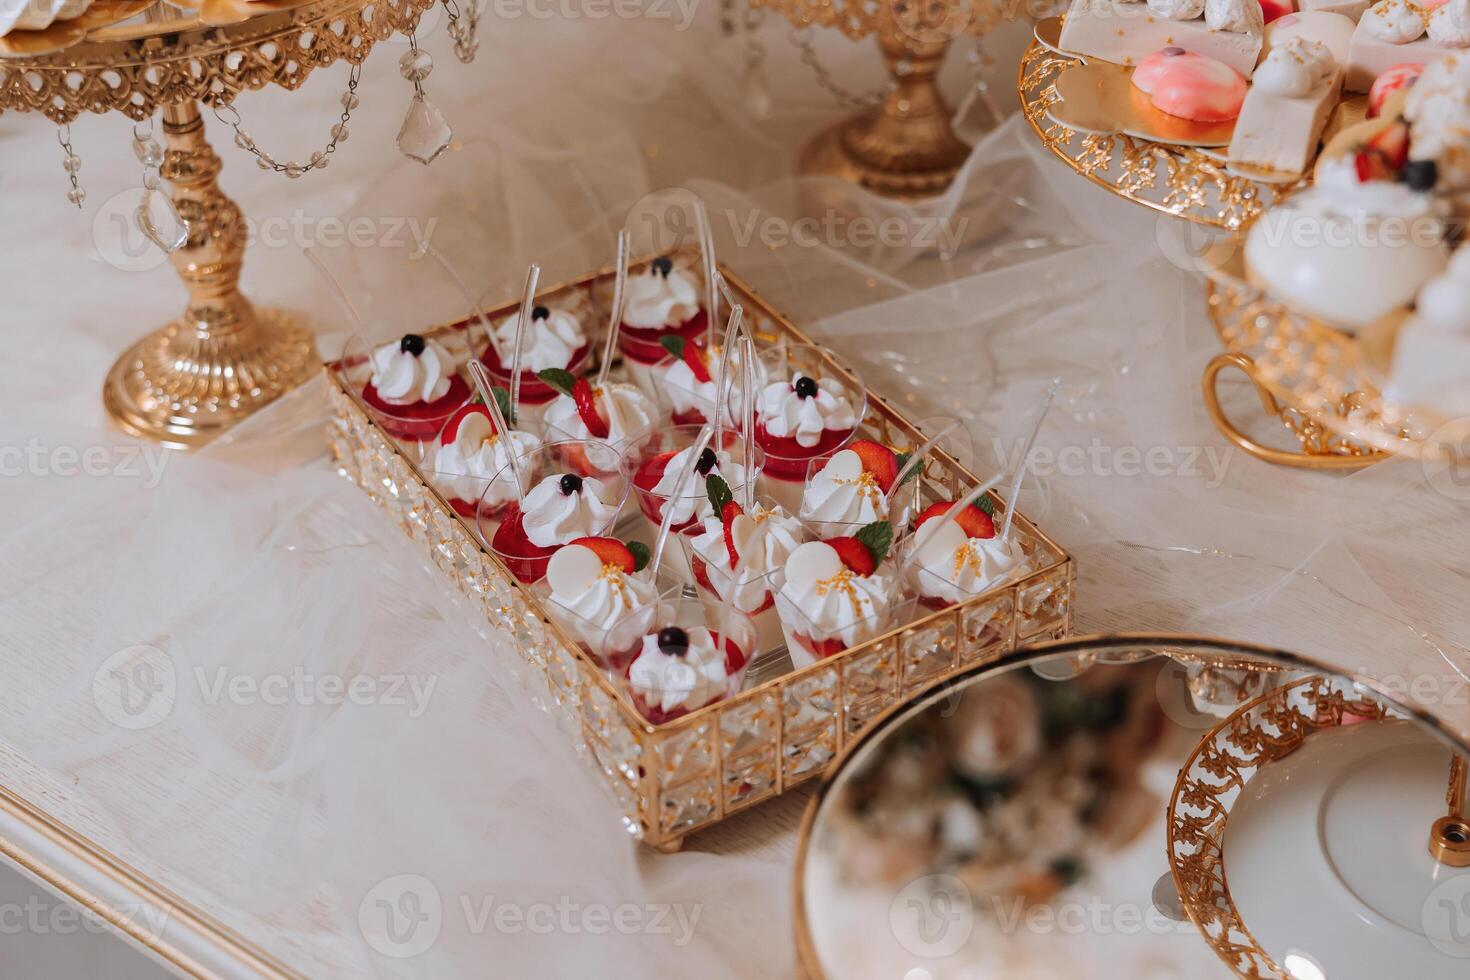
column 685, row 500
column 629, row 412
column 405, row 378
column 1177, row 9
column 656, row 301
column 590, row 614
column 1237, row 16
column 1295, row 69
column 690, row 679
column 685, row 392
column 554, row 518
column 946, row 564
column 1394, row 21
column 776, row 534
column 843, row 492
column 787, row 415
column 845, row 606
column 1449, row 26
column 477, row 454
column 1444, row 302
column 548, row 342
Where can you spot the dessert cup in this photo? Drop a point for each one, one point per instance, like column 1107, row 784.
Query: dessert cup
column 790, row 450
column 633, row 416
column 462, row 461
column 526, row 552
column 959, row 577
column 535, row 394
column 589, row 623
column 419, row 420
column 677, row 655
column 661, row 301
column 750, row 590
column 808, row 641
column 853, row 499
column 651, row 465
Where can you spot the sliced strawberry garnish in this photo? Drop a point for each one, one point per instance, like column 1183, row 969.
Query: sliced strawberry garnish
column 1392, row 145
column 451, row 428
column 972, row 520
column 611, row 551
column 854, row 554
column 728, row 513
column 586, row 401
column 878, row 460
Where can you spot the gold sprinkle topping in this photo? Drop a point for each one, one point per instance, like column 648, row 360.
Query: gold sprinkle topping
column 867, row 487
column 842, row 582
column 614, row 574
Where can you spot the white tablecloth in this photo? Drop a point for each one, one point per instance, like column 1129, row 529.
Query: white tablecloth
column 252, row 564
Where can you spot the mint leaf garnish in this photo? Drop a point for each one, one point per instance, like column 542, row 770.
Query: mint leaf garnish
column 877, row 537
column 641, row 555
column 559, row 378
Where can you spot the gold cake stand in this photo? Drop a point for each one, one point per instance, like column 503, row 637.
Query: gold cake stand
column 192, row 379
column 1183, row 181
column 905, row 147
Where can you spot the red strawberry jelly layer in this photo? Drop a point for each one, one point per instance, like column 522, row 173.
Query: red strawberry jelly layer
column 421, row 420
column 652, row 505
column 642, row 344
column 534, row 391
column 787, row 459
column 692, row 417
column 932, row 602
column 526, row 560
column 734, row 661
column 821, row 649
column 472, row 508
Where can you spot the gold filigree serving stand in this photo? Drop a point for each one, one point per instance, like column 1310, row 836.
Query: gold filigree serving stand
column 1183, row 181
column 670, row 780
column 224, row 358
column 905, row 147
column 1322, row 384
column 1265, row 730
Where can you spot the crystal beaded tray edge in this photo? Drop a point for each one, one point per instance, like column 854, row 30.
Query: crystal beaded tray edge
column 670, row 780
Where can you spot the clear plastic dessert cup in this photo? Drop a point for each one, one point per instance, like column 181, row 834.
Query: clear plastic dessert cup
column 642, row 348
column 589, row 627
column 947, row 582
column 678, row 655
column 875, row 505
column 647, row 461
column 508, row 540
column 535, row 394
column 750, row 592
column 419, row 420
column 788, row 458
column 808, row 641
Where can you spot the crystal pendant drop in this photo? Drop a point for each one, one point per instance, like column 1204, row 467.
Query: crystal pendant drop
column 977, row 114
column 756, row 92
column 425, row 134
column 160, row 221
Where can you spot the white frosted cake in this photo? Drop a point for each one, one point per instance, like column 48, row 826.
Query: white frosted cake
column 1126, row 31
column 1281, row 120
column 1398, row 32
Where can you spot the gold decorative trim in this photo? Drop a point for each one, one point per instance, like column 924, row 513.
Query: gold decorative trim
column 1269, row 728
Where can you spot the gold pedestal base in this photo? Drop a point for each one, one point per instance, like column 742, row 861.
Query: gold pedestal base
column 905, row 147
column 183, row 386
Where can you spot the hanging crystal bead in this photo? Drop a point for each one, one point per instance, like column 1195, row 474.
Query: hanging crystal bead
column 424, row 134
column 416, row 65
column 148, row 152
column 160, row 221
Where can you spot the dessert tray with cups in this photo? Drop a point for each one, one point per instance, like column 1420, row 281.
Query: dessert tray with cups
column 1214, row 110
column 720, row 553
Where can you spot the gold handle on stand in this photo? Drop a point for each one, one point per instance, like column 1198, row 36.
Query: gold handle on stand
column 1278, row 457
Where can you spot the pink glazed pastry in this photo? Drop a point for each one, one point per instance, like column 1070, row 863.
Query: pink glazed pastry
column 1190, row 86
column 1396, row 79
